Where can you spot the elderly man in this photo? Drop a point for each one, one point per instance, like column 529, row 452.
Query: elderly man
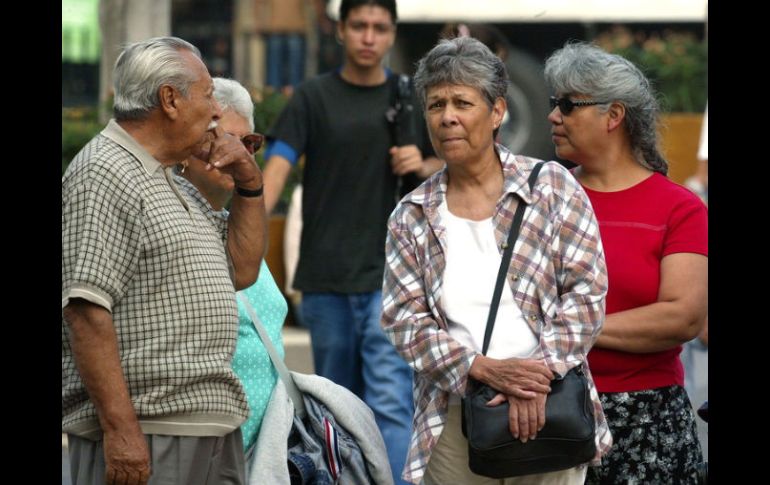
column 148, row 288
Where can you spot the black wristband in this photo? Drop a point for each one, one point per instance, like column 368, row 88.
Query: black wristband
column 249, row 193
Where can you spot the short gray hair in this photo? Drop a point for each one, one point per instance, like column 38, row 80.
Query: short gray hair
column 142, row 68
column 231, row 95
column 462, row 61
column 583, row 68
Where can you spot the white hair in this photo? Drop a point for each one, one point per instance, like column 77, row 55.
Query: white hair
column 231, row 95
column 143, row 67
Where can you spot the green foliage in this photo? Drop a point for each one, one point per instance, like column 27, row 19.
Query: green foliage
column 267, row 106
column 676, row 63
column 78, row 126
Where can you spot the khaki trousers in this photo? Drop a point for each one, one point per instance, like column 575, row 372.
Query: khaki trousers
column 448, row 463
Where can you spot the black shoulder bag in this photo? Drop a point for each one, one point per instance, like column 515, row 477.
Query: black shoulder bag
column 566, row 440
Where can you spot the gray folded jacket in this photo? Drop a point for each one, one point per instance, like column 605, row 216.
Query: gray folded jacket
column 360, row 456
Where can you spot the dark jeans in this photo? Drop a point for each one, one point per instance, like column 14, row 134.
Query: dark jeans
column 351, row 349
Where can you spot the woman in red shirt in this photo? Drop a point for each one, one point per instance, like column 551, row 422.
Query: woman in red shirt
column 655, row 239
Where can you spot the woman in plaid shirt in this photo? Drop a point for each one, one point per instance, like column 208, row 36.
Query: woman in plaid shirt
column 443, row 251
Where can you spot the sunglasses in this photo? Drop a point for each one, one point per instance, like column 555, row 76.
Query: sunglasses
column 253, row 142
column 566, row 105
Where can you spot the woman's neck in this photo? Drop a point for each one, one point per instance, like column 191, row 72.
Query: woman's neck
column 612, row 176
column 474, row 189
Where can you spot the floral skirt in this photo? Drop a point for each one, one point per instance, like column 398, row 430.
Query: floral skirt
column 654, row 439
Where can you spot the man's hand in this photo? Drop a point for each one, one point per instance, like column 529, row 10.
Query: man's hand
column 406, row 159
column 126, row 457
column 228, row 154
column 95, row 349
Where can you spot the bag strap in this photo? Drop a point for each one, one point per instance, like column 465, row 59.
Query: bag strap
column 513, row 234
column 283, row 372
column 395, row 104
column 401, row 123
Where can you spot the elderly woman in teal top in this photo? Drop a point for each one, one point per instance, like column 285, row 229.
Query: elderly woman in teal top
column 251, row 362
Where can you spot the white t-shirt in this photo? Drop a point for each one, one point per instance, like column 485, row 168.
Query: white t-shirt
column 472, row 264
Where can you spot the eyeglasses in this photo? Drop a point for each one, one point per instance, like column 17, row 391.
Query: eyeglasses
column 253, row 142
column 566, row 105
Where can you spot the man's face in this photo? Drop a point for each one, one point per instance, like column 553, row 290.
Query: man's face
column 199, row 108
column 367, row 34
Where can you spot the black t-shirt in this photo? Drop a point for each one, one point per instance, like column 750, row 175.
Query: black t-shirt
column 349, row 189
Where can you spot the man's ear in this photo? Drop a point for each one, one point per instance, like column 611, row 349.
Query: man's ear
column 169, row 101
column 617, row 114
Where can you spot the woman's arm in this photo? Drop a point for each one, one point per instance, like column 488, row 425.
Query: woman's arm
column 677, row 317
column 406, row 318
column 571, row 328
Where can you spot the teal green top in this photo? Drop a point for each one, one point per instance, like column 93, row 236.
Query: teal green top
column 251, row 362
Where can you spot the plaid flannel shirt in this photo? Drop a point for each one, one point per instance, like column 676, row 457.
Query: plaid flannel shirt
column 557, row 274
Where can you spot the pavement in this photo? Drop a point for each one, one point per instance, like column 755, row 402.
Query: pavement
column 296, row 344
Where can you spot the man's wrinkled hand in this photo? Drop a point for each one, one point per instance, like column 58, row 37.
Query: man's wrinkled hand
column 126, row 457
column 228, row 154
column 406, row 159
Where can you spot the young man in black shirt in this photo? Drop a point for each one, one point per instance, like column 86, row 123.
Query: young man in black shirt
column 350, row 184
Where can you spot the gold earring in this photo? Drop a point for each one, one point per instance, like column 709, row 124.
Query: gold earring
column 184, row 167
